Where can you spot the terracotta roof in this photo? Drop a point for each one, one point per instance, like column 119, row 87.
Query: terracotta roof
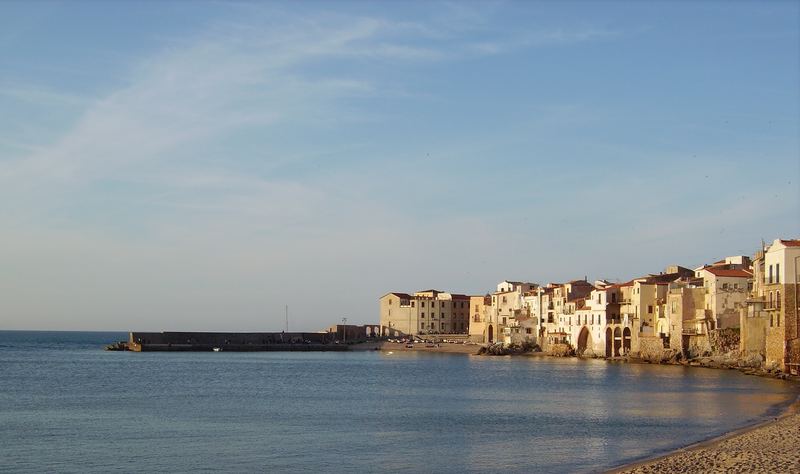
column 791, row 243
column 729, row 273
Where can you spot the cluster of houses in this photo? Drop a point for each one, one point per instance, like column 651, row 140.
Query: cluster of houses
column 755, row 299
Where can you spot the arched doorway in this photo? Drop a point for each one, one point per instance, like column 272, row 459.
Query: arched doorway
column 584, row 340
column 491, row 334
column 609, row 342
column 626, row 341
column 617, row 341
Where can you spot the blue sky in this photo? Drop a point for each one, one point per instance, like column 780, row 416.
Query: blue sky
column 198, row 166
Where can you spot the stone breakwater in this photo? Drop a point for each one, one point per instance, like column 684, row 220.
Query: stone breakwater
column 230, row 341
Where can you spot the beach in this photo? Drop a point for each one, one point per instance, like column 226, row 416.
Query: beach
column 770, row 447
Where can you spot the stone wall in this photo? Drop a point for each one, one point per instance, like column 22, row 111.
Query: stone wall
column 754, row 333
column 561, row 350
column 651, row 348
column 697, row 345
column 723, row 341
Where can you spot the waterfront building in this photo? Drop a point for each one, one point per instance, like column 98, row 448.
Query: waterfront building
column 424, row 312
column 598, row 316
column 754, row 317
column 726, row 290
column 685, row 311
column 780, row 295
column 508, row 309
column 482, row 328
column 556, row 307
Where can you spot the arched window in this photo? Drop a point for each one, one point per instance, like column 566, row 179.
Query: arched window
column 778, row 301
column 771, row 300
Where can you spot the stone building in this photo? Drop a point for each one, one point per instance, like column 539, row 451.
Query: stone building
column 685, row 311
column 726, row 292
column 424, row 312
column 508, row 308
column 554, row 307
column 780, row 296
column 482, row 328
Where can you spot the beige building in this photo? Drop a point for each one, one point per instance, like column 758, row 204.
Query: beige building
column 482, row 328
column 553, row 309
column 424, row 312
column 780, row 296
column 685, row 311
column 508, row 309
column 726, row 292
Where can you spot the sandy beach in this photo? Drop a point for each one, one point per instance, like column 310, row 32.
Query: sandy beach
column 770, row 447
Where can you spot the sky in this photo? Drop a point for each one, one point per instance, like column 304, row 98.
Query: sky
column 198, row 166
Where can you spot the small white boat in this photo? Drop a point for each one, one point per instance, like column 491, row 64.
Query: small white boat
column 216, row 349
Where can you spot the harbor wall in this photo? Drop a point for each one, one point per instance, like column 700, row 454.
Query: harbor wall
column 232, row 341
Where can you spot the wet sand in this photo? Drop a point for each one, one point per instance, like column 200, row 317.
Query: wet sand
column 771, row 447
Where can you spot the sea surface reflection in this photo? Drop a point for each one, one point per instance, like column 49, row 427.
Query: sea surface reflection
column 66, row 405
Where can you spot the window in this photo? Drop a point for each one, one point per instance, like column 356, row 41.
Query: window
column 771, row 300
column 778, row 304
column 504, row 319
column 422, row 304
column 649, row 309
column 777, row 273
column 412, row 304
column 504, row 299
column 390, row 301
column 527, row 330
column 423, row 315
column 724, row 286
column 770, row 273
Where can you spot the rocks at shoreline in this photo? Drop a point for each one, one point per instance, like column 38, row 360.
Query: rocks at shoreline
column 500, row 349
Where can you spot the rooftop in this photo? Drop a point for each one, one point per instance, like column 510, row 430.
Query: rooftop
column 724, row 272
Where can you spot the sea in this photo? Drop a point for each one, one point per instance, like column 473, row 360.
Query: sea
column 66, row 405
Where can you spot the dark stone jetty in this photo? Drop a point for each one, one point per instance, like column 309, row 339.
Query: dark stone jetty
column 233, row 341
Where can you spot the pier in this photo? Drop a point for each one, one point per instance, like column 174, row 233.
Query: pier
column 232, row 341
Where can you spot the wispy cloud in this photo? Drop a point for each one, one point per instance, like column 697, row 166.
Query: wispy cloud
column 544, row 37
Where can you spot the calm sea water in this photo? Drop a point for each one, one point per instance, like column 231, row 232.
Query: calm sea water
column 68, row 406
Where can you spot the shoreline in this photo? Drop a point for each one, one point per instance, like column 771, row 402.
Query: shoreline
column 741, row 450
column 767, row 445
